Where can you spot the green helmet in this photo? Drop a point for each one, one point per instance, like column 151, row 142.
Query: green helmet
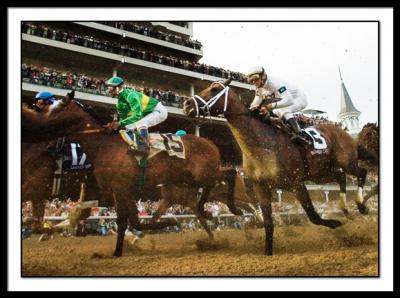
column 115, row 82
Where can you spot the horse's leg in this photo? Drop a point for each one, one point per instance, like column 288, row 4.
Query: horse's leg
column 202, row 220
column 123, row 211
column 38, row 214
column 154, row 224
column 201, row 201
column 230, row 177
column 304, row 198
column 264, row 197
column 162, row 207
column 204, row 224
column 341, row 179
column 122, row 223
column 361, row 175
column 374, row 191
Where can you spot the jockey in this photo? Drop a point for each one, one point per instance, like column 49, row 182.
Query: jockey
column 46, row 101
column 292, row 99
column 136, row 111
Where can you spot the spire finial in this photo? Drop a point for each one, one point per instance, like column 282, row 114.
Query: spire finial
column 340, row 74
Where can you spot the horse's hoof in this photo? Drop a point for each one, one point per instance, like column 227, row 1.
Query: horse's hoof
column 348, row 214
column 268, row 253
column 117, row 254
column 362, row 208
column 332, row 223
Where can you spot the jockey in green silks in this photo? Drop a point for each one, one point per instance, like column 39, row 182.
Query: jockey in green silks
column 136, row 111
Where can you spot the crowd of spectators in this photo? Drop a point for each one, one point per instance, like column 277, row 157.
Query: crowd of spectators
column 81, row 82
column 305, row 121
column 149, row 30
column 126, row 50
column 284, row 213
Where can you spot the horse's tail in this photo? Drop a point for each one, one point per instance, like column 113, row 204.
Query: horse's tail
column 366, row 154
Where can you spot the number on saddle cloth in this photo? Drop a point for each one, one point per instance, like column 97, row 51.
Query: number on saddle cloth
column 318, row 140
column 74, row 157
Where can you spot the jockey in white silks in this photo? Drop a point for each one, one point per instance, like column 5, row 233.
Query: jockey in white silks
column 292, row 99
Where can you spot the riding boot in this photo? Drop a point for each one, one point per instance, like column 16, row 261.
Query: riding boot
column 143, row 143
column 298, row 133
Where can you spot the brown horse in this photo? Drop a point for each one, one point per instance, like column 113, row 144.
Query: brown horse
column 118, row 173
column 39, row 126
column 273, row 161
column 368, row 151
column 38, row 164
column 36, row 127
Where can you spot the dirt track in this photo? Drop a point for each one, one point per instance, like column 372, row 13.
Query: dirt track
column 351, row 250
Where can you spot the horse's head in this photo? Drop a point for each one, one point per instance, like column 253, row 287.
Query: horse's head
column 72, row 118
column 212, row 101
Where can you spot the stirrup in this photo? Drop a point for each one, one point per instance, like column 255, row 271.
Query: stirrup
column 298, row 138
column 140, row 152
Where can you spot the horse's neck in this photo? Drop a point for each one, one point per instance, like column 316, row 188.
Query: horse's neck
column 88, row 121
column 248, row 130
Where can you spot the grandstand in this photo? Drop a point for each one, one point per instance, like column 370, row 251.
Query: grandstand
column 148, row 55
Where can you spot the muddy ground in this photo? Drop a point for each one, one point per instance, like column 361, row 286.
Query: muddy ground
column 351, row 250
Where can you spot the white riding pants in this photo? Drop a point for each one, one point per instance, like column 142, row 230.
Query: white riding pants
column 299, row 103
column 159, row 114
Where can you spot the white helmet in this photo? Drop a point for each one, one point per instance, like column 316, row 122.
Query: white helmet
column 255, row 73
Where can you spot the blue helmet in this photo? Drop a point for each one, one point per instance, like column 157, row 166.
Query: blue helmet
column 180, row 133
column 46, row 96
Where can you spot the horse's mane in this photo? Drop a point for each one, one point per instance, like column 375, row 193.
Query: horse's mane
column 101, row 115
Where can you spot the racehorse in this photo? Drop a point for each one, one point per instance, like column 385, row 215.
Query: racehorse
column 368, row 150
column 271, row 160
column 36, row 127
column 44, row 126
column 38, row 164
column 118, row 173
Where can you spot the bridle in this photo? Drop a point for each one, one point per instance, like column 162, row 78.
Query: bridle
column 207, row 105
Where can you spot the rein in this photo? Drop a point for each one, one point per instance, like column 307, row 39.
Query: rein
column 87, row 131
column 94, row 115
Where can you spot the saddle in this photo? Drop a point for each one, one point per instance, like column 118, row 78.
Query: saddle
column 168, row 142
column 317, row 143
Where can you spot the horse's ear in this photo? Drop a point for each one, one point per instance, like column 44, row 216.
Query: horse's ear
column 69, row 97
column 228, row 81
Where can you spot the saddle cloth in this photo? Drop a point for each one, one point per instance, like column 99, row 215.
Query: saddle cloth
column 74, row 158
column 168, row 142
column 318, row 140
